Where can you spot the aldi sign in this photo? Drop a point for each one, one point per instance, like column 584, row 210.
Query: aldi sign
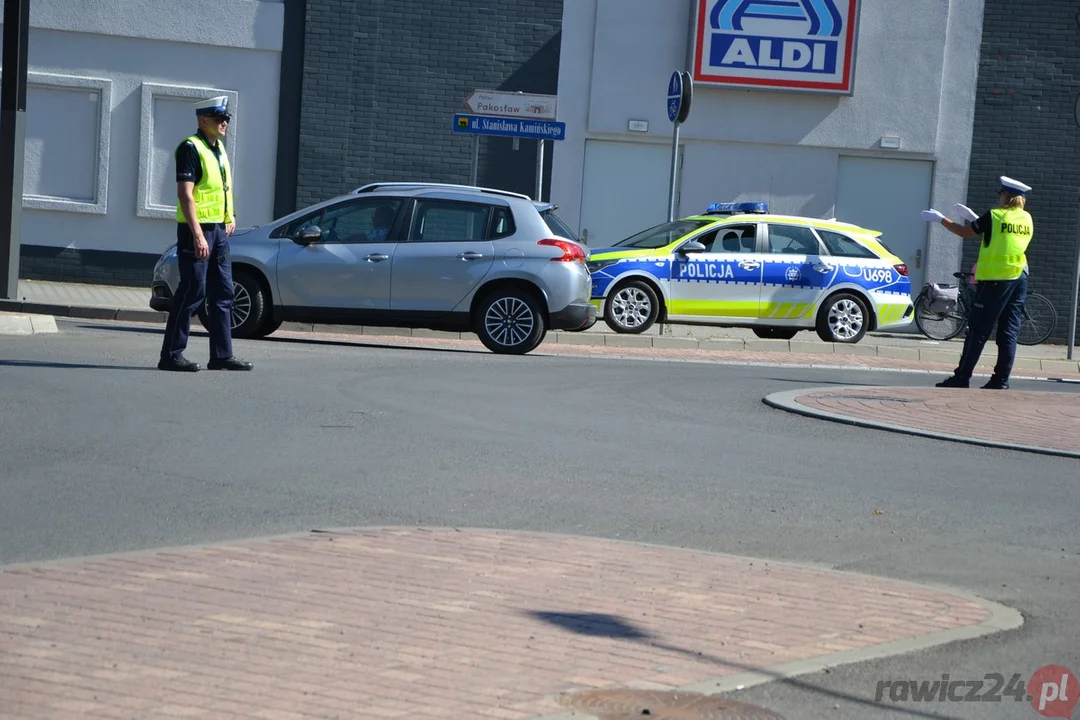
column 806, row 45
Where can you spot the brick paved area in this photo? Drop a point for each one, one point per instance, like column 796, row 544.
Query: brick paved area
column 1036, row 419
column 413, row 623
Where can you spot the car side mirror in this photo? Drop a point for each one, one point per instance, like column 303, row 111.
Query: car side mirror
column 308, row 235
column 692, row 247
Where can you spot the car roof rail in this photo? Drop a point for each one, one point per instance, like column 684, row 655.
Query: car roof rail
column 372, row 187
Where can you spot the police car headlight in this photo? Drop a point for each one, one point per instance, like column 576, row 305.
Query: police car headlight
column 598, row 265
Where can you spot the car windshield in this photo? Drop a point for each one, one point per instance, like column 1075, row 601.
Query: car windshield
column 662, row 235
column 557, row 226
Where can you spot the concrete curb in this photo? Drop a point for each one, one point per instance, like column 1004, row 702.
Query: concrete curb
column 24, row 324
column 785, row 400
column 84, row 312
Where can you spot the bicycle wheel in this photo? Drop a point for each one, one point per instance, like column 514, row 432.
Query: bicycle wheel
column 1038, row 321
column 940, row 325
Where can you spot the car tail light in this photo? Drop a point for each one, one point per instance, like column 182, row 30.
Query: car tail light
column 901, row 268
column 572, row 252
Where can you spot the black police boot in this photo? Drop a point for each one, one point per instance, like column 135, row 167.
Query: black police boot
column 995, row 384
column 953, row 382
column 177, row 365
column 229, row 363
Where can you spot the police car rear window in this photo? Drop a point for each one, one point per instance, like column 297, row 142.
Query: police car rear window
column 662, row 235
column 844, row 246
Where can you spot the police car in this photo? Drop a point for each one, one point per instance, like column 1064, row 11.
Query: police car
column 736, row 265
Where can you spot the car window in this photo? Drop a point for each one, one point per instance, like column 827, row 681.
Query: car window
column 556, row 225
column 445, row 220
column 736, row 239
column 662, row 235
column 844, row 246
column 362, row 221
column 793, row 240
column 356, row 221
column 502, row 223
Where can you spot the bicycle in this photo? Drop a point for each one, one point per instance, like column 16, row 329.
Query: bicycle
column 1036, row 325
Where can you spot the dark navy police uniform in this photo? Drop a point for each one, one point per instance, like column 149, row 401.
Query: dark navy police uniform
column 206, row 280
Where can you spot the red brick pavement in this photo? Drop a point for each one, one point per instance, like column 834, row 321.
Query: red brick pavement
column 414, row 623
column 1036, row 419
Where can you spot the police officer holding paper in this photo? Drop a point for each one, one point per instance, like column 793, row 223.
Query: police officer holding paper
column 206, row 217
column 1001, row 277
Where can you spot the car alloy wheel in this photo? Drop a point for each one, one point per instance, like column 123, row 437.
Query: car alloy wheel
column 632, row 308
column 844, row 319
column 509, row 321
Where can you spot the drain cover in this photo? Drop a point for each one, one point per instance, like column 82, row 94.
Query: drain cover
column 662, row 705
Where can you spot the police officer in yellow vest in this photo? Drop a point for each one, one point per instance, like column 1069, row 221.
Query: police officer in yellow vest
column 1001, row 280
column 206, row 217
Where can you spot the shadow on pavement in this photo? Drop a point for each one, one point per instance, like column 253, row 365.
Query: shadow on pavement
column 612, row 626
column 72, row 366
column 359, row 342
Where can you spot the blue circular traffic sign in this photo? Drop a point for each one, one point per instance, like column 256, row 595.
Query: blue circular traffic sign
column 674, row 95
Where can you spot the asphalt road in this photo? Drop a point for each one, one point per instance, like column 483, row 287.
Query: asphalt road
column 102, row 452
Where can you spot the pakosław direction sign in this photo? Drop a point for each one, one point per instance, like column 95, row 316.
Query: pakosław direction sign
column 511, row 104
column 806, row 45
column 509, row 127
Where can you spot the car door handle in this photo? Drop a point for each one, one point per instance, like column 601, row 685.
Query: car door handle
column 749, row 265
column 823, row 268
column 470, row 255
column 376, row 257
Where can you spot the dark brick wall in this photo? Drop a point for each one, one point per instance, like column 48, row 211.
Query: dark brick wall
column 1027, row 126
column 98, row 267
column 383, row 78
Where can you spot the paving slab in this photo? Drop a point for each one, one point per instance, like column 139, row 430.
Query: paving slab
column 1039, row 422
column 437, row 622
column 24, row 324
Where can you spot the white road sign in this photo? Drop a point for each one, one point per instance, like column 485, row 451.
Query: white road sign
column 512, row 104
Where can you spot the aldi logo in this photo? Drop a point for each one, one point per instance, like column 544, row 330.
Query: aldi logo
column 806, row 45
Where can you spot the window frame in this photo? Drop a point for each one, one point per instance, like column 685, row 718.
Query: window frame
column 767, row 245
column 414, row 210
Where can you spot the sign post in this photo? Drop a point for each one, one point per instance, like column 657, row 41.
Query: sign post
column 1075, row 299
column 12, row 141
column 515, row 115
column 679, row 94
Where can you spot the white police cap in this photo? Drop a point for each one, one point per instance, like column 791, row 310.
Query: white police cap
column 213, row 106
column 1014, row 187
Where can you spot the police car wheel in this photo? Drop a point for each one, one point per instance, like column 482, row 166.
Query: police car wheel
column 509, row 322
column 843, row 318
column 772, row 333
column 632, row 307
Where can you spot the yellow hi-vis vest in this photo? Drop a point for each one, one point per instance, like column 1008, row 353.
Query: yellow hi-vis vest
column 1003, row 258
column 213, row 193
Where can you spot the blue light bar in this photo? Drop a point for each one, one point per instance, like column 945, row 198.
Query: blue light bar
column 738, row 208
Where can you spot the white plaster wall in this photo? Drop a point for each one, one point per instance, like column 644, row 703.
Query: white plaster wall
column 915, row 75
column 146, row 62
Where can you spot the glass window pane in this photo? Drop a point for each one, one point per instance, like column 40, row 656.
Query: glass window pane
column 441, row 220
column 736, row 239
column 793, row 240
column 844, row 246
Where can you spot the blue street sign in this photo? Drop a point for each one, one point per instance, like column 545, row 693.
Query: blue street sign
column 509, row 127
column 674, row 95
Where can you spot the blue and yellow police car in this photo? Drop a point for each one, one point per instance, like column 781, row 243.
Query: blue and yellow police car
column 736, row 265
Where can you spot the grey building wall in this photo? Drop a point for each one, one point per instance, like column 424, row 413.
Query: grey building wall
column 109, row 94
column 1027, row 126
column 383, row 78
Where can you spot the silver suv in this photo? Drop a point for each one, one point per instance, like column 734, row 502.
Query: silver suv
column 416, row 255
